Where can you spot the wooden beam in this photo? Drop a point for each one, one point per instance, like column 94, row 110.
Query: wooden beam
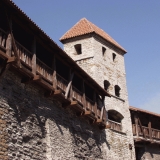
column 54, row 72
column 34, row 56
column 84, row 96
column 57, row 92
column 13, row 42
column 87, row 113
column 31, row 79
column 69, row 84
column 11, row 59
column 9, row 45
column 71, row 93
column 4, row 69
column 3, row 55
column 144, row 135
column 37, row 78
column 102, row 109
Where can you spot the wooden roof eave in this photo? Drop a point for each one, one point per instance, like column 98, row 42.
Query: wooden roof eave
column 143, row 111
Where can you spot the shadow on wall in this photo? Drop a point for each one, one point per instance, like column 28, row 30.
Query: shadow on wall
column 29, row 110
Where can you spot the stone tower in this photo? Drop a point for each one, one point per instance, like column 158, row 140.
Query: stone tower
column 103, row 59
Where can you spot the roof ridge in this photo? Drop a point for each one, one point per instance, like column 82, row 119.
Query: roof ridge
column 143, row 110
column 90, row 25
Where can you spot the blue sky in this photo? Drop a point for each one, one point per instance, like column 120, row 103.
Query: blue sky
column 135, row 25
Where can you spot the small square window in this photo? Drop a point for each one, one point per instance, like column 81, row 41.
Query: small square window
column 78, row 49
column 117, row 90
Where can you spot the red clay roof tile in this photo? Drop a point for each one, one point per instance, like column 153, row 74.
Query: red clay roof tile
column 85, row 27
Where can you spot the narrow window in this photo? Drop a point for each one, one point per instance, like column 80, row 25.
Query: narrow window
column 103, row 51
column 113, row 56
column 106, row 85
column 78, row 49
column 117, row 90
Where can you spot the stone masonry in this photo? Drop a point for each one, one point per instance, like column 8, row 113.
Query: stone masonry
column 102, row 67
column 38, row 128
column 3, row 134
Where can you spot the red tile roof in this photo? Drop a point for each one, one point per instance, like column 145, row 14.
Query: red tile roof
column 85, row 27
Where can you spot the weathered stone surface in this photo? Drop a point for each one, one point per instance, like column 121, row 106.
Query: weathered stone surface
column 38, row 128
column 148, row 152
column 102, row 67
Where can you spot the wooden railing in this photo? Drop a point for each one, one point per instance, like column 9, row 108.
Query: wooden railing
column 3, row 38
column 115, row 125
column 24, row 55
column 44, row 70
column 62, row 83
column 47, row 74
column 77, row 95
column 89, row 104
column 155, row 133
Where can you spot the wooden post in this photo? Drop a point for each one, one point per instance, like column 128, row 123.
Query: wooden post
column 13, row 42
column 9, row 45
column 34, row 56
column 150, row 129
column 71, row 93
column 54, row 73
column 95, row 104
column 84, row 96
column 69, row 84
column 102, row 109
column 9, row 38
column 136, row 123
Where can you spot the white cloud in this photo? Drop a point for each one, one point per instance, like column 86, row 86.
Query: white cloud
column 153, row 104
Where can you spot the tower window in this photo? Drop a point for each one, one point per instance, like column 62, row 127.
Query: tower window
column 113, row 56
column 115, row 116
column 106, row 85
column 78, row 49
column 117, row 90
column 103, row 51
